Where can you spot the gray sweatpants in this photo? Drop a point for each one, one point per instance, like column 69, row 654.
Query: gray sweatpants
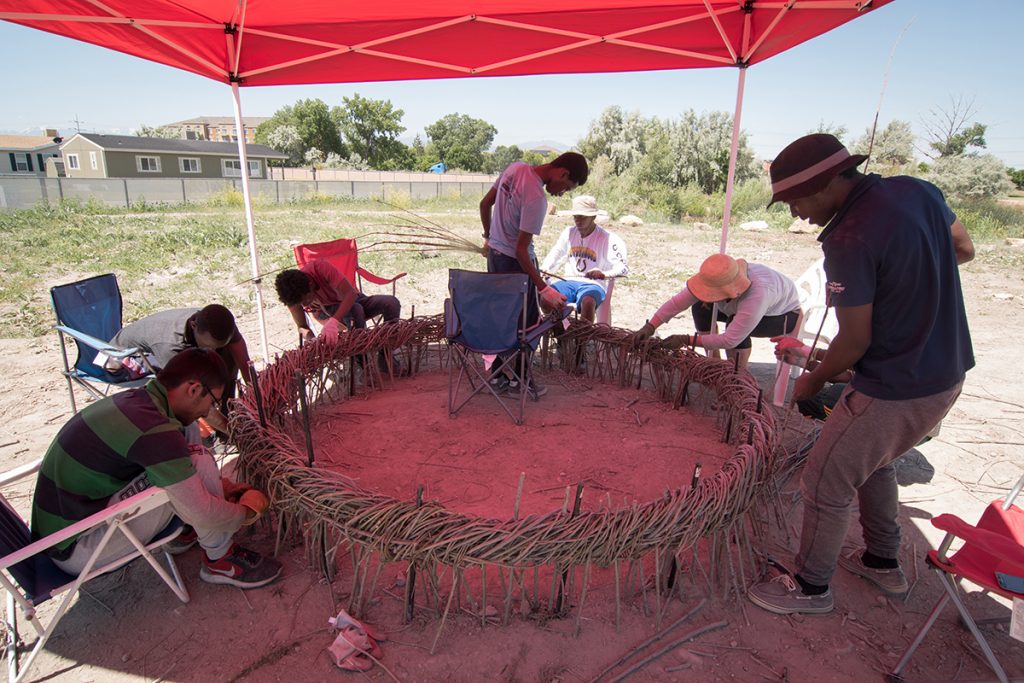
column 853, row 456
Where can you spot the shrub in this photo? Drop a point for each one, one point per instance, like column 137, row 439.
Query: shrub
column 970, row 177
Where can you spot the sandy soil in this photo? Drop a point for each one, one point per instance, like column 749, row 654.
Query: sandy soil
column 131, row 628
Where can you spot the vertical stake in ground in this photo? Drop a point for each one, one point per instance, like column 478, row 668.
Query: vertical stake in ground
column 410, row 584
column 304, row 409
column 565, row 572
column 257, row 394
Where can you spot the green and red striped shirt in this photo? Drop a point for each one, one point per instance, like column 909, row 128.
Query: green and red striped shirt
column 100, row 451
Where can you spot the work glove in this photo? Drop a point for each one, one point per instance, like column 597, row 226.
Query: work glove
column 644, row 333
column 257, row 502
column 233, row 490
column 791, row 350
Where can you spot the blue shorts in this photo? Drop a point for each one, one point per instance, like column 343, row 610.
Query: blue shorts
column 575, row 291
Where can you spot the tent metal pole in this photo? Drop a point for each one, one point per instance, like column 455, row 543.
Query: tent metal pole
column 733, row 150
column 254, row 259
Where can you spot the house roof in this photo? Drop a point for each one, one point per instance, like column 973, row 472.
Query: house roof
column 247, row 121
column 137, row 144
column 26, row 142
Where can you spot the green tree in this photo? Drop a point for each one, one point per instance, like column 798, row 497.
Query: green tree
column 970, row 176
column 838, row 130
column 312, row 121
column 619, row 136
column 371, row 128
column 699, row 150
column 1017, row 177
column 949, row 130
column 502, row 156
column 286, row 139
column 893, row 146
column 460, row 140
column 145, row 131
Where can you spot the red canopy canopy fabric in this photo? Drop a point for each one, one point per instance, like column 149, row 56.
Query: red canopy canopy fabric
column 270, row 42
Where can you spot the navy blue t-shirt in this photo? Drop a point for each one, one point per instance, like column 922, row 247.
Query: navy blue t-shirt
column 890, row 245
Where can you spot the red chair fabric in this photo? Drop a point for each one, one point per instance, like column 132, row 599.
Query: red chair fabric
column 343, row 254
column 996, row 543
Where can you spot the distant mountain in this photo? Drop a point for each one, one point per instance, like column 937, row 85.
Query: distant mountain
column 542, row 144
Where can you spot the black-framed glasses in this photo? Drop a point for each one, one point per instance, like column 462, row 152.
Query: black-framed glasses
column 207, row 390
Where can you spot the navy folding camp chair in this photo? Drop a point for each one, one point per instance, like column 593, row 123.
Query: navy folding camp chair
column 89, row 311
column 30, row 577
column 486, row 315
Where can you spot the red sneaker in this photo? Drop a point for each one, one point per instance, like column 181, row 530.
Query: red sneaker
column 241, row 567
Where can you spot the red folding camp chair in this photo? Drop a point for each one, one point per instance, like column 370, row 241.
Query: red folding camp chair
column 343, row 254
column 992, row 556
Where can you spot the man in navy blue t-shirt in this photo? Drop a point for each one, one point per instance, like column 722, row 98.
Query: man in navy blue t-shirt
column 892, row 247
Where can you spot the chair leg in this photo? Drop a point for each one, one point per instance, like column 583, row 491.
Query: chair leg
column 67, row 371
column 905, row 659
column 12, row 638
column 951, row 590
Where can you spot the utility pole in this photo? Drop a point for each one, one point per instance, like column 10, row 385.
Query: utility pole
column 78, row 124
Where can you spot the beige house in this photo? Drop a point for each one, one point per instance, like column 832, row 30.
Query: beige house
column 91, row 155
column 27, row 155
column 216, row 128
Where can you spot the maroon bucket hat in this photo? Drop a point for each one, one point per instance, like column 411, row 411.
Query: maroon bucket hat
column 807, row 165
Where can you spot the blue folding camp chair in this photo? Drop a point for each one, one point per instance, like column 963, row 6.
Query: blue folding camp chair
column 486, row 314
column 89, row 311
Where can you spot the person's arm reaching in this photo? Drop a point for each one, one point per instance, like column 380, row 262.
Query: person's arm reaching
column 486, row 204
column 240, row 354
column 299, row 316
column 846, row 349
column 962, row 243
column 670, row 309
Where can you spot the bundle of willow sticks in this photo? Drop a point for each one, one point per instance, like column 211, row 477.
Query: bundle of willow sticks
column 329, row 509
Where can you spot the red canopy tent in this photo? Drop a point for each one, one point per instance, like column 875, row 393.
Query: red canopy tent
column 270, row 42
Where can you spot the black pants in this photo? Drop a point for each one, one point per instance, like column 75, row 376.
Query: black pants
column 500, row 263
column 769, row 326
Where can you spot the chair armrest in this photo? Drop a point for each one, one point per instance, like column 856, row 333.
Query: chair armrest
column 98, row 344
column 988, row 541
column 376, row 279
column 19, row 473
column 145, row 501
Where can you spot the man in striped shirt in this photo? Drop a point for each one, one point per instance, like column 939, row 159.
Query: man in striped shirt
column 135, row 439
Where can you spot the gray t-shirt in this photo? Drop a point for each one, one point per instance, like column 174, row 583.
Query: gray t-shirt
column 160, row 335
column 520, row 206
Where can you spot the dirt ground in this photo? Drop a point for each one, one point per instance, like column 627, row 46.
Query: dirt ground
column 131, row 628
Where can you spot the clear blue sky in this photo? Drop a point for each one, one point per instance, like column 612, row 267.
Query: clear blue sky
column 953, row 48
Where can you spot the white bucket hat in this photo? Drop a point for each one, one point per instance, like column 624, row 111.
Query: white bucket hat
column 585, row 205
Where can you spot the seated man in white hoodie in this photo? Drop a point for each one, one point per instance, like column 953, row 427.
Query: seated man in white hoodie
column 592, row 255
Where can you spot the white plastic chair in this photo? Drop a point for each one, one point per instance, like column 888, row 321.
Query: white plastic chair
column 604, row 311
column 811, row 287
column 30, row 577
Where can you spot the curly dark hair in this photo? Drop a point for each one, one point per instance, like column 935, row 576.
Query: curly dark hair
column 291, row 286
column 217, row 321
